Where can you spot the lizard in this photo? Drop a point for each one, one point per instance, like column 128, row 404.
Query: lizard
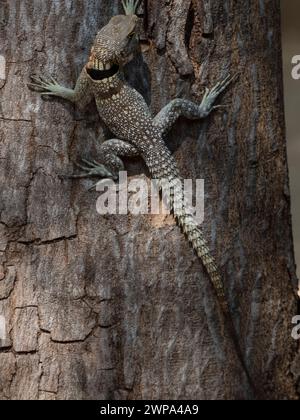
column 128, row 117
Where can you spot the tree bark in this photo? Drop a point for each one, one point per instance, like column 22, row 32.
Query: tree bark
column 119, row 306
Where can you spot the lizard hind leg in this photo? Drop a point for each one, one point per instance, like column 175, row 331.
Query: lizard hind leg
column 111, row 164
column 111, row 153
column 113, row 150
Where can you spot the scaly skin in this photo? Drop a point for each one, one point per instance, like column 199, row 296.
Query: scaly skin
column 126, row 114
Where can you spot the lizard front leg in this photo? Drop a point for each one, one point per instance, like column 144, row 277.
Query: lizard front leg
column 81, row 95
column 111, row 164
column 184, row 108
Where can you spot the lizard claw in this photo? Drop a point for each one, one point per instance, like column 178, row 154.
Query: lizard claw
column 43, row 85
column 211, row 95
column 221, row 86
column 103, row 181
column 224, row 106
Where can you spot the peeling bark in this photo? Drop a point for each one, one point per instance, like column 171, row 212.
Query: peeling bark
column 119, row 307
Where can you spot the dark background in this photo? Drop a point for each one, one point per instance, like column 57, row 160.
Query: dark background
column 291, row 47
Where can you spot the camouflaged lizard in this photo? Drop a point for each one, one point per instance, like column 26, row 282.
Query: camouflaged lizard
column 127, row 115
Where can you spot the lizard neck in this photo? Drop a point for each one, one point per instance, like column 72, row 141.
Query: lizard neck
column 106, row 88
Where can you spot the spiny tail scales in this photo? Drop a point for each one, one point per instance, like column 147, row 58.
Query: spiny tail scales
column 196, row 238
column 163, row 167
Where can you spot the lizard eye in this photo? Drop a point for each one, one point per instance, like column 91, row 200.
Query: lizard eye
column 131, row 34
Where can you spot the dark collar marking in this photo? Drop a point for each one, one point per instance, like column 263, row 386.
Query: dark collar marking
column 103, row 74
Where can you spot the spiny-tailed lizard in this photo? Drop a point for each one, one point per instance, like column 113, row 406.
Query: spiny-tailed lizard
column 127, row 115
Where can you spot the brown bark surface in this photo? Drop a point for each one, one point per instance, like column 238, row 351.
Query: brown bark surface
column 119, row 306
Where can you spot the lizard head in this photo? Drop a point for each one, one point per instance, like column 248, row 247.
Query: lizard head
column 113, row 47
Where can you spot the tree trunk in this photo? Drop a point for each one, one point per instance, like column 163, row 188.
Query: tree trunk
column 119, row 306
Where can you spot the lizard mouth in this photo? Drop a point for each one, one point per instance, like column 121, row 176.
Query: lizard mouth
column 100, row 71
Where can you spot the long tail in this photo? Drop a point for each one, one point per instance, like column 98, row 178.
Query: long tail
column 166, row 171
column 196, row 238
column 172, row 185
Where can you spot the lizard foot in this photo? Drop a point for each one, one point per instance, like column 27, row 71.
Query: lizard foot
column 44, row 85
column 92, row 169
column 130, row 6
column 211, row 95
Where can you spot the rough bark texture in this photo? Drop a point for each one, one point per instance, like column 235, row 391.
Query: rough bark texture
column 119, row 307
